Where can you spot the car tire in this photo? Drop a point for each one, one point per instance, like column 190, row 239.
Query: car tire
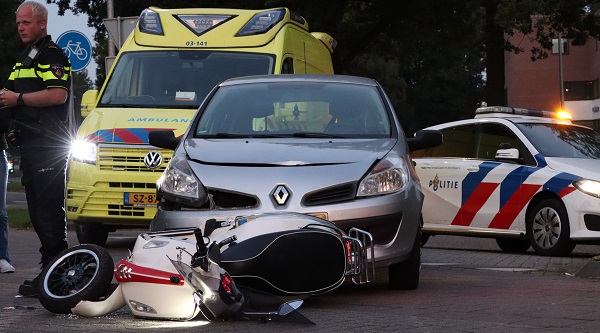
column 91, row 233
column 548, row 229
column 405, row 275
column 82, row 272
column 513, row 245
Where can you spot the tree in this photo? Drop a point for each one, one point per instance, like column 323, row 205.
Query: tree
column 11, row 43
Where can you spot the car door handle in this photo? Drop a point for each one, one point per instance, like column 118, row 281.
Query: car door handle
column 472, row 168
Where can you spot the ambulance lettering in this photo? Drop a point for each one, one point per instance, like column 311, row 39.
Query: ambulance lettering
column 515, row 194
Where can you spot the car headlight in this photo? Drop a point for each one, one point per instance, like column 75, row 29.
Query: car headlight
column 590, row 187
column 84, row 151
column 179, row 184
column 388, row 176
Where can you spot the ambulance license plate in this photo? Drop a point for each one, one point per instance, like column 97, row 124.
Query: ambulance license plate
column 140, row 199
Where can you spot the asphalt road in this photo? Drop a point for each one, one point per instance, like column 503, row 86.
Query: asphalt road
column 467, row 285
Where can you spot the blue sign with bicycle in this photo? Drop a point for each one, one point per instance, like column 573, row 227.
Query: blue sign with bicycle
column 77, row 47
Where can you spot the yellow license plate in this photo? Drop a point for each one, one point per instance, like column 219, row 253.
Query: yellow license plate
column 140, row 199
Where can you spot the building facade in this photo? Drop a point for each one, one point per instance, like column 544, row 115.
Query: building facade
column 536, row 84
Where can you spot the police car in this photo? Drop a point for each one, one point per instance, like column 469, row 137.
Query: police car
column 524, row 177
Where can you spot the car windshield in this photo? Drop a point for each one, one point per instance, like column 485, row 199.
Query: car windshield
column 176, row 79
column 563, row 140
column 298, row 109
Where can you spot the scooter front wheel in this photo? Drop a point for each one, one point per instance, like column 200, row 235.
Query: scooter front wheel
column 82, row 272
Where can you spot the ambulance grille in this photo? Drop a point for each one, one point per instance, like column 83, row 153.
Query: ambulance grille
column 129, row 159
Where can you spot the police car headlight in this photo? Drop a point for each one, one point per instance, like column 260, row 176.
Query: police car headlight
column 179, row 184
column 590, row 187
column 84, row 151
column 388, row 176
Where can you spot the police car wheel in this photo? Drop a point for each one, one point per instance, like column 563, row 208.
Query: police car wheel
column 513, row 245
column 548, row 228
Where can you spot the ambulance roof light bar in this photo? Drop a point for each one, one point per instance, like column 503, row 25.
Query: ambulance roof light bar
column 505, row 110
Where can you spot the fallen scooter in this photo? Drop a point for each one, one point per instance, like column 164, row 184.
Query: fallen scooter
column 257, row 267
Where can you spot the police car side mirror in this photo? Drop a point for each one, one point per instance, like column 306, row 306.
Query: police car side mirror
column 509, row 154
column 163, row 139
column 425, row 139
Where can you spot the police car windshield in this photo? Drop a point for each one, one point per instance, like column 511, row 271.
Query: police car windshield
column 176, row 79
column 563, row 140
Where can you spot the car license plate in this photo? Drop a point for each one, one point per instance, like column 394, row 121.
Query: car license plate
column 140, row 199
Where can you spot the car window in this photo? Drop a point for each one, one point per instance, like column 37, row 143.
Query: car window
column 563, row 140
column 491, row 136
column 295, row 109
column 458, row 142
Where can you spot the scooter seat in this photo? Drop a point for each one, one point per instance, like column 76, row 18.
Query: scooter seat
column 303, row 261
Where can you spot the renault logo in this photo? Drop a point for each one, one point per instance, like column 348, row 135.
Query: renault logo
column 153, row 160
column 281, row 194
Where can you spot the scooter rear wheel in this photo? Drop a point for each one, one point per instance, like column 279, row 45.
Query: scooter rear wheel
column 82, row 272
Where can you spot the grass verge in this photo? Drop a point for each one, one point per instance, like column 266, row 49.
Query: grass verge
column 18, row 218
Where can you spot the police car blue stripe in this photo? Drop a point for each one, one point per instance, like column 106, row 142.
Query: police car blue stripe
column 513, row 181
column 469, row 184
column 557, row 183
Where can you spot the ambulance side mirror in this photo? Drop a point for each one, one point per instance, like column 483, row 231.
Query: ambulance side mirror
column 88, row 102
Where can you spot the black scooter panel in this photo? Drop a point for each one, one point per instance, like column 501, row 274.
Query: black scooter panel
column 289, row 262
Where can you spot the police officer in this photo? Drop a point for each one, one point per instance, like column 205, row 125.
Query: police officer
column 36, row 93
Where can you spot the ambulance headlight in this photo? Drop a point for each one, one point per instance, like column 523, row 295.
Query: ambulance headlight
column 179, row 184
column 84, row 151
column 388, row 176
column 590, row 187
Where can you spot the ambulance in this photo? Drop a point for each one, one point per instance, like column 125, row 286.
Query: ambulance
column 527, row 178
column 163, row 71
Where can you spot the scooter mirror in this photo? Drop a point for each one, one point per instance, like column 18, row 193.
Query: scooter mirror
column 289, row 307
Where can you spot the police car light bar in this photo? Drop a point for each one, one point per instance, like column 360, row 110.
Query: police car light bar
column 505, row 110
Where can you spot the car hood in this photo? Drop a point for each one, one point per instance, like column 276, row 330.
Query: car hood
column 586, row 168
column 287, row 152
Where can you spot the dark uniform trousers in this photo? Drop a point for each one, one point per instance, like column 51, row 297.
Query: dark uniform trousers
column 44, row 170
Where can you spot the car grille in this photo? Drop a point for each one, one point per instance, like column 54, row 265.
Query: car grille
column 230, row 200
column 129, row 159
column 335, row 194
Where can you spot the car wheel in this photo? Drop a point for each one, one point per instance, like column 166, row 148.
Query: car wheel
column 91, row 233
column 405, row 275
column 548, row 229
column 82, row 272
column 513, row 245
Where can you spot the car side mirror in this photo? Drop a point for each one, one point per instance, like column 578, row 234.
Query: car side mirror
column 509, row 154
column 163, row 139
column 425, row 139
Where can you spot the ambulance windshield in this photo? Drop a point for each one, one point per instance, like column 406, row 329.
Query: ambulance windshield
column 176, row 79
column 562, row 140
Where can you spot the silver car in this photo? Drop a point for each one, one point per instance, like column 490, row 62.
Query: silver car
column 325, row 145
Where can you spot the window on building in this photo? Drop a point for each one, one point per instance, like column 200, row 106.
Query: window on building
column 581, row 90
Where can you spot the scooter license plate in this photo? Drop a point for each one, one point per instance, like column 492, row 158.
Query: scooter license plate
column 140, row 199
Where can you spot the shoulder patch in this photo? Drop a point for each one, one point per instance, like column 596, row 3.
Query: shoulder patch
column 58, row 70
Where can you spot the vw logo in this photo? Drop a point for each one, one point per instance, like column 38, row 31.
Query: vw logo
column 153, row 160
column 281, row 194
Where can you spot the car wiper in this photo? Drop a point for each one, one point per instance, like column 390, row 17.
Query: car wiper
column 314, row 135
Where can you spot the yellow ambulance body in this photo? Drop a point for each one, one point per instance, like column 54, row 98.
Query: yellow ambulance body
column 163, row 71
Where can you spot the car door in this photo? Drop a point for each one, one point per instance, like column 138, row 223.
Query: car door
column 464, row 186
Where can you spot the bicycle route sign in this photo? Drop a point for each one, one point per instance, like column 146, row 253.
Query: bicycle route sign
column 77, row 47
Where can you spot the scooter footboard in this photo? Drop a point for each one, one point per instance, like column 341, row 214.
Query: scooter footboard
column 295, row 262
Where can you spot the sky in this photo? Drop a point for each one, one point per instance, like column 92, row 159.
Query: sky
column 57, row 25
